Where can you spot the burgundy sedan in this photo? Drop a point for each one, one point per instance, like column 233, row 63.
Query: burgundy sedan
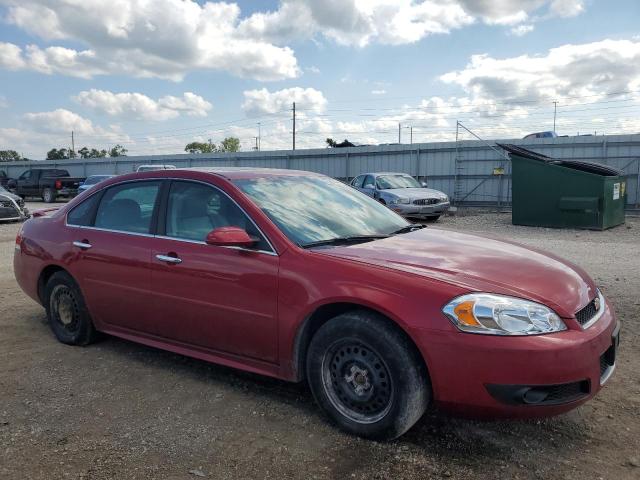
column 297, row 276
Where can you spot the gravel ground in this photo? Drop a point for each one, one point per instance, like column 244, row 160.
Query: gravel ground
column 121, row 410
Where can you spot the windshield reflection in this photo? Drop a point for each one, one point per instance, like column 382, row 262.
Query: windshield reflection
column 312, row 209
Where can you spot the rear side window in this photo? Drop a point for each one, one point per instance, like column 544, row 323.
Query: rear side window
column 194, row 210
column 82, row 215
column 128, row 207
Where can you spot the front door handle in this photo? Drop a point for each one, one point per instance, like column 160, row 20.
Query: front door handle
column 84, row 245
column 168, row 259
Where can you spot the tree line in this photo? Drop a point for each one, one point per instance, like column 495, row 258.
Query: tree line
column 229, row 144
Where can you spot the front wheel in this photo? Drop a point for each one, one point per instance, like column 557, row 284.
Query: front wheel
column 49, row 195
column 366, row 375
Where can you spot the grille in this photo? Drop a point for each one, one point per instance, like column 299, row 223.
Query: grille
column 607, row 360
column 20, row 202
column 587, row 313
column 426, row 201
column 566, row 392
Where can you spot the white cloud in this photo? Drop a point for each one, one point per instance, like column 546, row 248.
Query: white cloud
column 312, row 69
column 591, row 70
column 521, row 30
column 263, row 101
column 357, row 22
column 140, row 106
column 362, row 22
column 163, row 38
column 60, row 121
column 378, row 92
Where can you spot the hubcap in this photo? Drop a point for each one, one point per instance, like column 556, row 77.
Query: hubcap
column 357, row 381
column 64, row 308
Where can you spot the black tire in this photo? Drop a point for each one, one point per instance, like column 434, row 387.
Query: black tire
column 367, row 376
column 67, row 312
column 49, row 195
column 432, row 219
column 382, row 201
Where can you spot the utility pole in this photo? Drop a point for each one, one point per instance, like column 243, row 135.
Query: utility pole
column 555, row 110
column 259, row 136
column 399, row 133
column 294, row 125
column 411, row 135
column 256, row 147
column 73, row 146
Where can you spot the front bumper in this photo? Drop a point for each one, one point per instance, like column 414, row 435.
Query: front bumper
column 13, row 213
column 411, row 210
column 519, row 377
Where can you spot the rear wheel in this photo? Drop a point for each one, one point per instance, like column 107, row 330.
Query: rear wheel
column 432, row 219
column 49, row 195
column 66, row 311
column 366, row 376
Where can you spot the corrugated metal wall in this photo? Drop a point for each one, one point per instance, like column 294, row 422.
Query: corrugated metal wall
column 463, row 170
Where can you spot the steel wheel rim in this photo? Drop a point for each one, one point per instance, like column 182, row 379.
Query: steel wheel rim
column 357, row 382
column 64, row 308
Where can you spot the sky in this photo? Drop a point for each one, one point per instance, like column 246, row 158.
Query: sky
column 154, row 75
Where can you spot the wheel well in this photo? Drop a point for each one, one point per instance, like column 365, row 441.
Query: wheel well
column 45, row 275
column 321, row 316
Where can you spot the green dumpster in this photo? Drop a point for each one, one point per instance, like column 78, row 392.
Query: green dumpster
column 564, row 193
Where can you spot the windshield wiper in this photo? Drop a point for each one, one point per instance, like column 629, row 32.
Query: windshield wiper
column 344, row 240
column 409, row 228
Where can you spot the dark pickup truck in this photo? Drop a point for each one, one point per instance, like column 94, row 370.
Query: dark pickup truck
column 48, row 183
column 4, row 179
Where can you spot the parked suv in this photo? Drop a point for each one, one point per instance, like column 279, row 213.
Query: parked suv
column 403, row 194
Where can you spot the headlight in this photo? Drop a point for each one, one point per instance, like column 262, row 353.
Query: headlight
column 444, row 198
column 400, row 200
column 499, row 315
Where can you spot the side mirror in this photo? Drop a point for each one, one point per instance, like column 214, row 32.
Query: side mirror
column 229, row 237
column 424, row 184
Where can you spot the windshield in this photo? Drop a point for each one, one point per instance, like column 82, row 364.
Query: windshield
column 314, row 209
column 386, row 182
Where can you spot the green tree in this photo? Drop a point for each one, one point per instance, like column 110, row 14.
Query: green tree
column 93, row 153
column 230, row 144
column 58, row 154
column 200, row 147
column 9, row 156
column 118, row 151
column 331, row 143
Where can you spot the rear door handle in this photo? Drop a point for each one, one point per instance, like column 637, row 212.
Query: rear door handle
column 84, row 245
column 168, row 259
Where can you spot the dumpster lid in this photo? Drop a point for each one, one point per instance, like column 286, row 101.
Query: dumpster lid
column 589, row 167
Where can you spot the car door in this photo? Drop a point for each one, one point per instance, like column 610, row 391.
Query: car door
column 24, row 183
column 216, row 297
column 111, row 234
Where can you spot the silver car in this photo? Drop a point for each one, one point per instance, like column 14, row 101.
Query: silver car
column 403, row 194
column 12, row 207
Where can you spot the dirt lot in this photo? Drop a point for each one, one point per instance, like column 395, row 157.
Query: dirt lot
column 120, row 410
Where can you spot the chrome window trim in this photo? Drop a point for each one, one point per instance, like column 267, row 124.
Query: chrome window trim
column 599, row 313
column 273, row 251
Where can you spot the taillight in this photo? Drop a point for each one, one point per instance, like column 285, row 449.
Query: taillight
column 19, row 241
column 58, row 184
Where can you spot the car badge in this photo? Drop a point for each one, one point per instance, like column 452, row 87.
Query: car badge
column 596, row 303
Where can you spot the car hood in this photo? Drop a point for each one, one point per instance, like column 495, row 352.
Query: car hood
column 483, row 264
column 414, row 193
column 8, row 195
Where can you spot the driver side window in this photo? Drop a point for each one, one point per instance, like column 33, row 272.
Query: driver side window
column 195, row 209
column 369, row 181
column 25, row 176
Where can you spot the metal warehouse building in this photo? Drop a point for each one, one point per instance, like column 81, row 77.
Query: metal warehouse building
column 470, row 172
